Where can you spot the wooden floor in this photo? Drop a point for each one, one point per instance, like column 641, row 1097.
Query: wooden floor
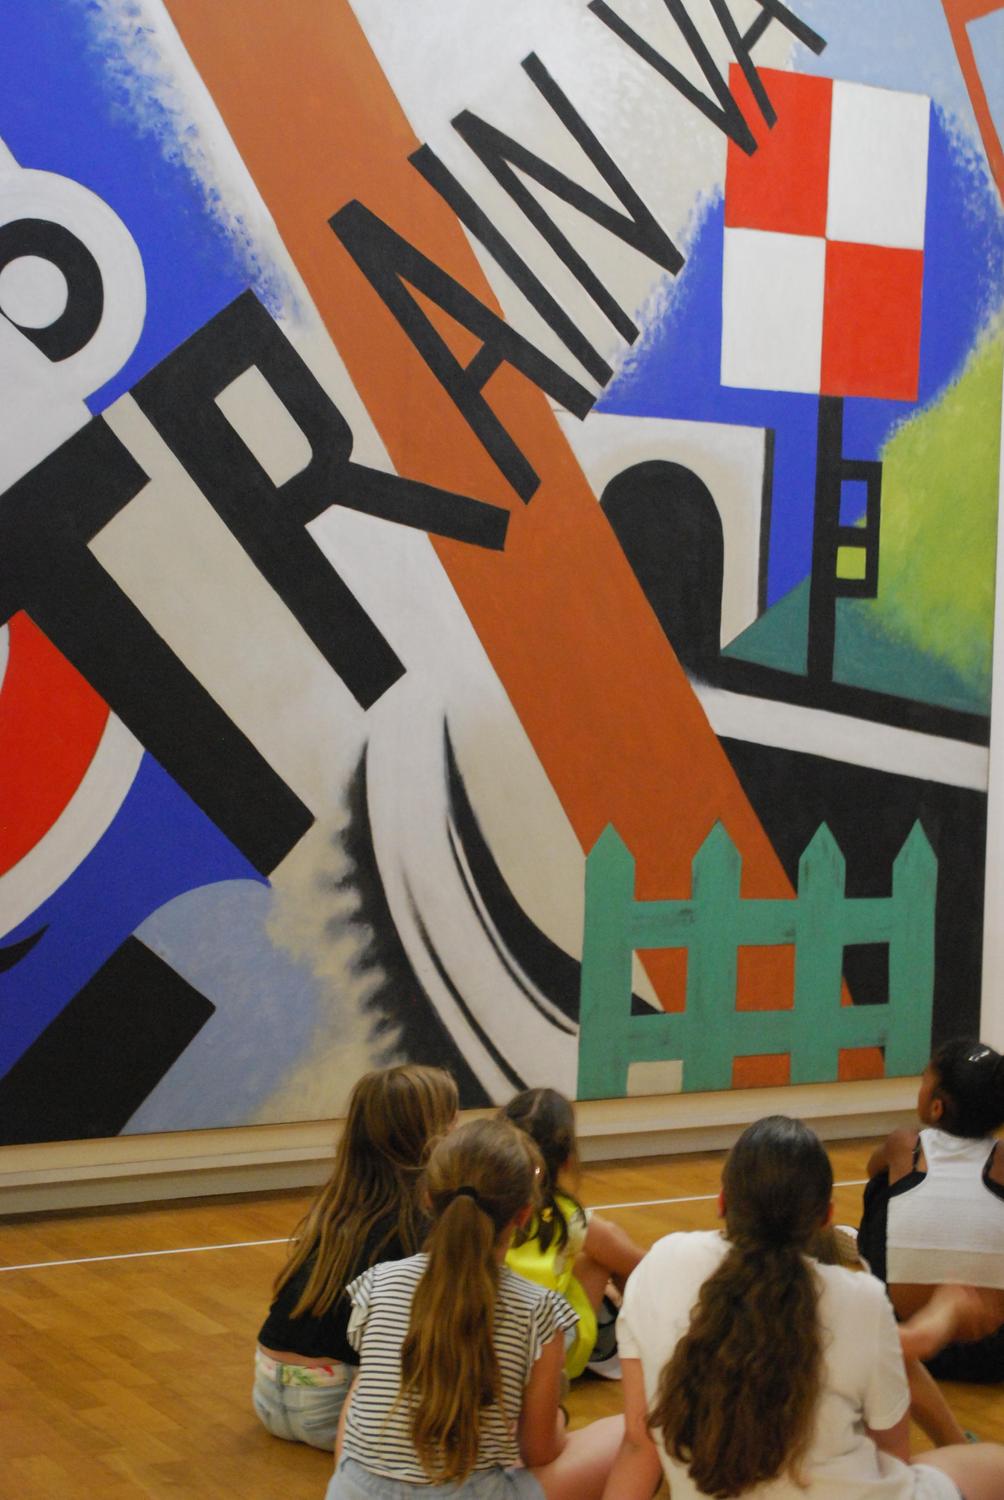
column 126, row 1344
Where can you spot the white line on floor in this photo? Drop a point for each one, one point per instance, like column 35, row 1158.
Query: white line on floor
column 85, row 1260
column 601, row 1208
column 697, row 1198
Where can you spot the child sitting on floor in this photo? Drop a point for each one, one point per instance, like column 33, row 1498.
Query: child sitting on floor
column 460, row 1359
column 750, row 1369
column 933, row 1224
column 367, row 1211
column 564, row 1248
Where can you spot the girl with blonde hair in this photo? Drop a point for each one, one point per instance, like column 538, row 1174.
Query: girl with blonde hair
column 367, row 1211
column 458, row 1388
column 751, row 1369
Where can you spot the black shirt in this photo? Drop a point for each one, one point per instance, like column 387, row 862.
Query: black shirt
column 325, row 1337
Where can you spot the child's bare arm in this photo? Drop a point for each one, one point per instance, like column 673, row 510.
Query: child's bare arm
column 895, row 1154
column 541, row 1422
column 894, row 1440
column 953, row 1314
column 637, row 1471
column 610, row 1246
column 340, row 1436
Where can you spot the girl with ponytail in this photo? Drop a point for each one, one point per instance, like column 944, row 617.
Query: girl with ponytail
column 752, row 1370
column 933, row 1225
column 563, row 1247
column 460, row 1359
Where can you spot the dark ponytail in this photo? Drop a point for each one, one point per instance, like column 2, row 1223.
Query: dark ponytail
column 549, row 1120
column 969, row 1081
column 736, row 1402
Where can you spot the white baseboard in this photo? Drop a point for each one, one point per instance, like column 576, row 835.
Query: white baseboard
column 71, row 1175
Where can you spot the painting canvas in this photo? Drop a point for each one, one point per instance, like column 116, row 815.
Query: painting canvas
column 497, row 525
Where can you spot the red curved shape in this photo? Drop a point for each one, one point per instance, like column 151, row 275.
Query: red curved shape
column 51, row 721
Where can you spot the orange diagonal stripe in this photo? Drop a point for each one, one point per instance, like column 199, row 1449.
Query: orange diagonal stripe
column 958, row 14
column 560, row 613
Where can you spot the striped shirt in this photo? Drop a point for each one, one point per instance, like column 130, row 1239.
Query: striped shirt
column 376, row 1430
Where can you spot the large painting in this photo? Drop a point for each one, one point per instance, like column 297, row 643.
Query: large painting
column 497, row 519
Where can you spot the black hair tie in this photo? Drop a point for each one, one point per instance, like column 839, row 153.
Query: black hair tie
column 479, row 1203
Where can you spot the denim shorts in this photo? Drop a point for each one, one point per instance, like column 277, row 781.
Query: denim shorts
column 351, row 1481
column 300, row 1412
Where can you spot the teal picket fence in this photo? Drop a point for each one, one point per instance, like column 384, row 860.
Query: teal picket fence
column 713, row 925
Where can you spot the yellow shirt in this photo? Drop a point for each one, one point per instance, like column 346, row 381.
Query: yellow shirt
column 555, row 1269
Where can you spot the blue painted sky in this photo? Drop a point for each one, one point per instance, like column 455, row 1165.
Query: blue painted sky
column 68, row 109
column 675, row 371
column 67, row 113
column 896, row 44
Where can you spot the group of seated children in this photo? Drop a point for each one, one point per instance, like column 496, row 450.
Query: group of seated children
column 447, row 1283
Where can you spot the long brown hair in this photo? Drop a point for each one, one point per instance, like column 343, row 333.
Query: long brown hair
column 395, row 1114
column 548, row 1118
column 477, row 1180
column 736, row 1401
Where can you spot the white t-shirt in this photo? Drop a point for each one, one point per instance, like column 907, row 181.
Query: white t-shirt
column 377, row 1426
column 863, row 1378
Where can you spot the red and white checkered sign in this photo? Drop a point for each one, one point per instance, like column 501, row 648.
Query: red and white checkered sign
column 824, row 240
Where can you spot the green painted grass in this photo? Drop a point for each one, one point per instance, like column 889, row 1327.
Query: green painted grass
column 928, row 635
